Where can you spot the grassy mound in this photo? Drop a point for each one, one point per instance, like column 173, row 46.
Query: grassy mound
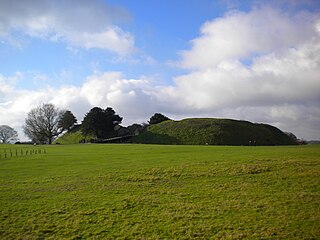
column 198, row 131
column 73, row 136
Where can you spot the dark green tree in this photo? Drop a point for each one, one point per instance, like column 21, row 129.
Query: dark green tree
column 158, row 118
column 100, row 123
column 67, row 120
column 136, row 129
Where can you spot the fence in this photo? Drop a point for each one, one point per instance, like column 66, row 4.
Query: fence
column 19, row 152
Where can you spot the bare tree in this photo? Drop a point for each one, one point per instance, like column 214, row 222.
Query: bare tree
column 7, row 134
column 42, row 123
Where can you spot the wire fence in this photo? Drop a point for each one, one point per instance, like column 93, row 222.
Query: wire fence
column 19, row 152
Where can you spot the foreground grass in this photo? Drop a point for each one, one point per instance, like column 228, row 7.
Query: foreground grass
column 161, row 192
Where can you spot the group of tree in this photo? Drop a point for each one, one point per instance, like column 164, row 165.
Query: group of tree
column 100, row 122
column 46, row 122
column 158, row 118
column 295, row 139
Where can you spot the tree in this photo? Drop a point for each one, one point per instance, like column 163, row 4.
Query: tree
column 292, row 137
column 7, row 134
column 100, row 123
column 42, row 123
column 136, row 129
column 295, row 139
column 67, row 120
column 158, row 118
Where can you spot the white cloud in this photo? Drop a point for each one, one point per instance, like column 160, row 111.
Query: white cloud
column 85, row 24
column 271, row 79
column 112, row 39
column 5, row 87
column 262, row 66
column 132, row 98
column 240, row 35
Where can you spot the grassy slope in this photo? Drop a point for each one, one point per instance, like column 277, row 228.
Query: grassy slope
column 214, row 132
column 72, row 138
column 167, row 192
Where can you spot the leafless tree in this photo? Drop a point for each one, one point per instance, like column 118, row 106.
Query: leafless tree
column 42, row 123
column 7, row 134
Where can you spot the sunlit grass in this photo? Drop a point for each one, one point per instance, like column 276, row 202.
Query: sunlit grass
column 161, row 192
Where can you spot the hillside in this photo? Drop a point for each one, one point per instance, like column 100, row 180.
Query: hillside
column 74, row 136
column 200, row 131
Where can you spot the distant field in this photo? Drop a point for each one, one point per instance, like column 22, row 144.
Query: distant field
column 160, row 192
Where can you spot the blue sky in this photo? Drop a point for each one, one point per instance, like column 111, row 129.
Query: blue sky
column 160, row 28
column 251, row 60
column 154, row 25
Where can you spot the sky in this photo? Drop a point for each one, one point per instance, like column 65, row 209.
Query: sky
column 249, row 60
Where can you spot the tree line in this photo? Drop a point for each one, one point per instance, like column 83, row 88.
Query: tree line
column 46, row 122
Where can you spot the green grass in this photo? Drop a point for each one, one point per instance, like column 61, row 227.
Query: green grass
column 72, row 138
column 161, row 192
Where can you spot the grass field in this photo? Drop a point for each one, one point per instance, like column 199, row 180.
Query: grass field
column 161, row 192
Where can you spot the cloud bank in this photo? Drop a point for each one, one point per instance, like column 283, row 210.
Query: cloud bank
column 262, row 66
column 85, row 24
